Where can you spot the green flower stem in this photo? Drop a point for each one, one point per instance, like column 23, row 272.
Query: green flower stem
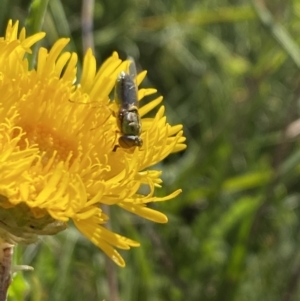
column 110, row 267
column 87, row 24
column 6, row 252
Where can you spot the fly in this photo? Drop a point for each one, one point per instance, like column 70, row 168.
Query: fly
column 128, row 118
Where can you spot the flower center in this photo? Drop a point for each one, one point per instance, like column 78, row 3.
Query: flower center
column 50, row 141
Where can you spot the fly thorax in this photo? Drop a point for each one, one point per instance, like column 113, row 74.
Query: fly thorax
column 130, row 123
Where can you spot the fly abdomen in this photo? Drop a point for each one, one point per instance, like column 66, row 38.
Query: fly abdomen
column 125, row 91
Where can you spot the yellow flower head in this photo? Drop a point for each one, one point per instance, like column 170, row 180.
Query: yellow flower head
column 57, row 146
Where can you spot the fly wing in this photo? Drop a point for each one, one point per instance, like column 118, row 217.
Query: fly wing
column 133, row 73
column 132, row 68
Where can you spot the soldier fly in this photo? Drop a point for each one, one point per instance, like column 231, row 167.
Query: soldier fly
column 128, row 118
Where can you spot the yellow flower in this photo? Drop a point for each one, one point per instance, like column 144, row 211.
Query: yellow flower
column 56, row 146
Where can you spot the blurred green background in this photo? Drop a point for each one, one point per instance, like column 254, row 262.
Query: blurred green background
column 229, row 71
